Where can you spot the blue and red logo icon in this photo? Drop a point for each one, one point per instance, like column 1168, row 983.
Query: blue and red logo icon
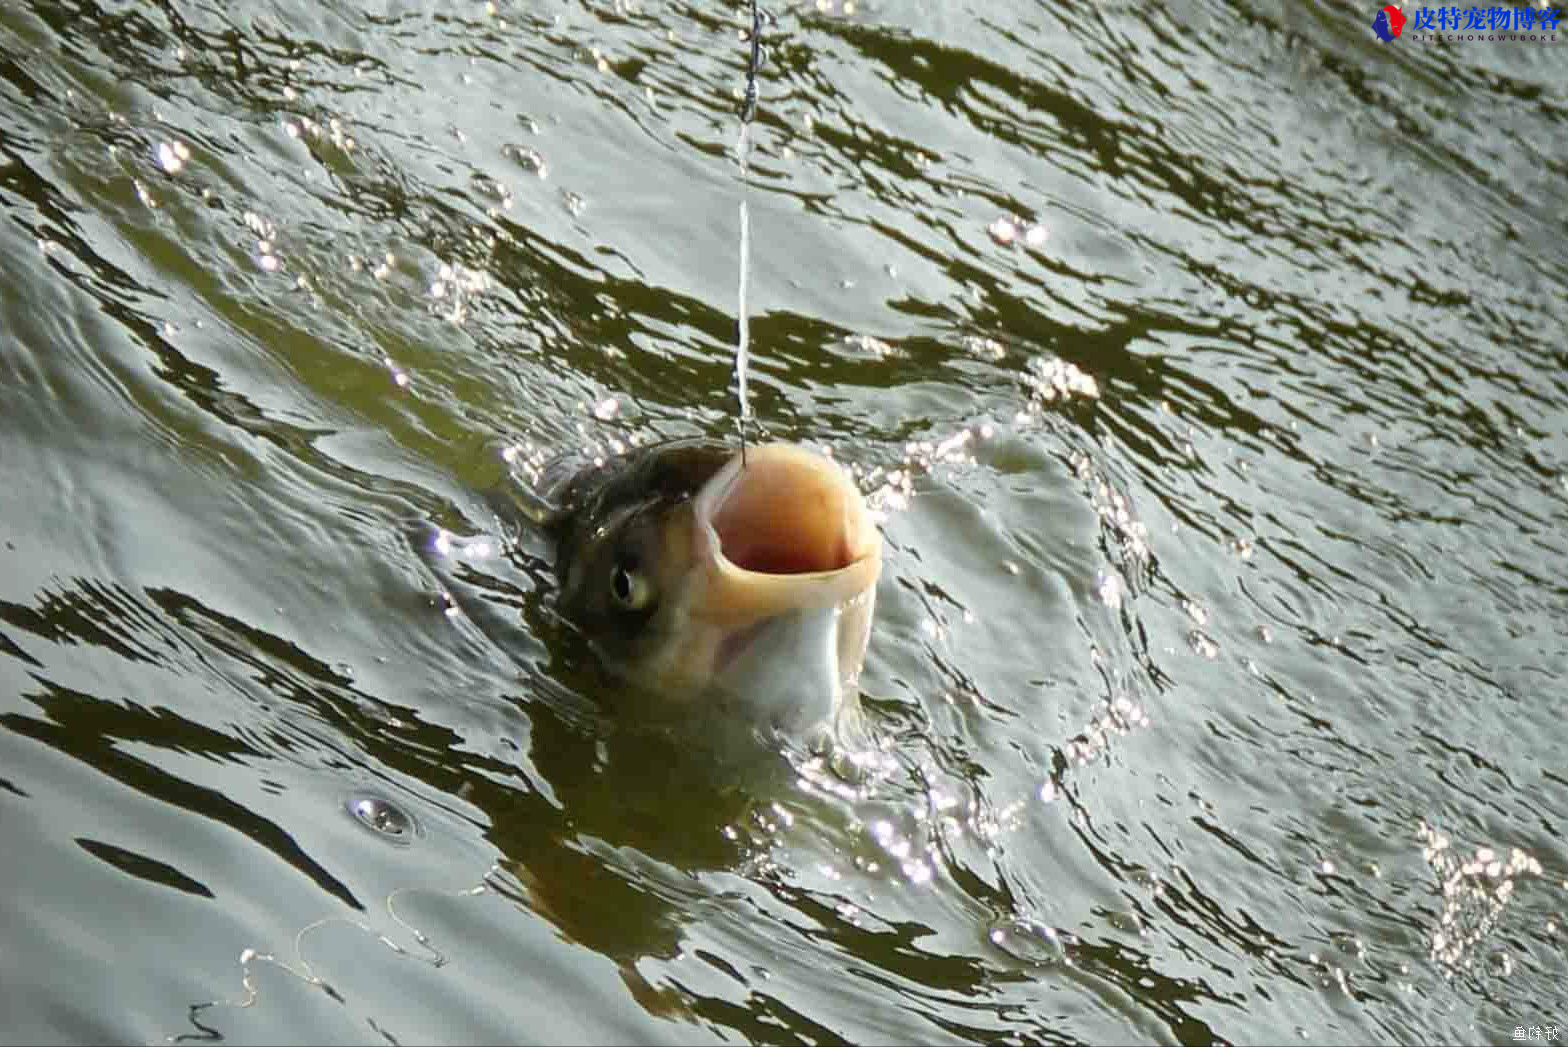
column 1389, row 23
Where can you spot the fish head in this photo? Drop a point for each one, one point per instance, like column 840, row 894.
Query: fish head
column 716, row 580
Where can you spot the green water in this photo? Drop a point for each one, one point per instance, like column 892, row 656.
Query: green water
column 1207, row 365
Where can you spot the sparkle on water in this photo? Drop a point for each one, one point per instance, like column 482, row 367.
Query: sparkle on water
column 1221, row 505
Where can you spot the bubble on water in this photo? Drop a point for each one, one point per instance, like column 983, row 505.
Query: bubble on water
column 1032, row 941
column 495, row 190
column 1202, row 644
column 383, row 817
column 528, row 158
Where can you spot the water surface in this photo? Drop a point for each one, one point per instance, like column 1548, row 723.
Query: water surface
column 1207, row 365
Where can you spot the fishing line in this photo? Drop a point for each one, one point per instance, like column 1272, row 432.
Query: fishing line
column 748, row 108
column 300, row 967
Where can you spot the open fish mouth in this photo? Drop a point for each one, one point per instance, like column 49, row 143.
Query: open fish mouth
column 712, row 580
column 785, row 530
column 790, row 558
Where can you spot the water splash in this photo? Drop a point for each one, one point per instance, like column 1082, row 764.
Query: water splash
column 1475, row 892
column 455, row 287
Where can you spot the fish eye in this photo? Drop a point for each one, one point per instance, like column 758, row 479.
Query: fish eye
column 629, row 587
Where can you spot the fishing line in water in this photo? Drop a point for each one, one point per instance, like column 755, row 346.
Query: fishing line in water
column 748, row 108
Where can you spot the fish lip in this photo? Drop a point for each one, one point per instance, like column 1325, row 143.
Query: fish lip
column 819, row 546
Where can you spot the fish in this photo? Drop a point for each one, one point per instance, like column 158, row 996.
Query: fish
column 721, row 583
